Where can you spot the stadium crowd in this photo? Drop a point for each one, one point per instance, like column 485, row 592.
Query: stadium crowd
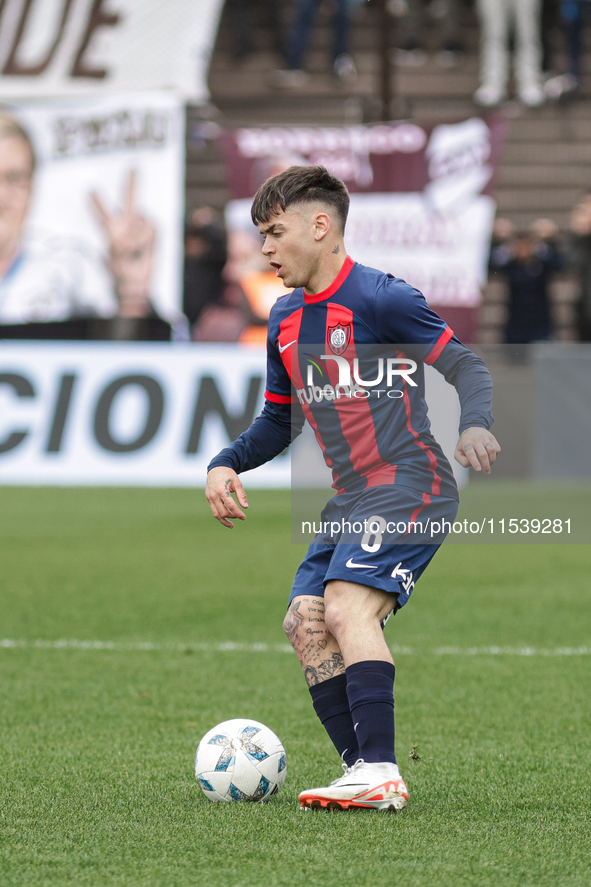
column 517, row 32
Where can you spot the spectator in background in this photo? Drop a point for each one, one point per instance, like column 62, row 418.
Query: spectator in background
column 205, row 257
column 548, row 27
column 580, row 225
column 528, row 260
column 343, row 65
column 242, row 16
column 575, row 14
column 412, row 24
column 498, row 19
column 250, row 290
column 48, row 278
column 224, row 320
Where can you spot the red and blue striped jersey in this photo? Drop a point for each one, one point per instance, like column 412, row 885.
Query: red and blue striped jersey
column 372, row 431
column 368, row 437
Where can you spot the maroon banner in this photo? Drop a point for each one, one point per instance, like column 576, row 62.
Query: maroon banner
column 383, row 157
column 421, row 198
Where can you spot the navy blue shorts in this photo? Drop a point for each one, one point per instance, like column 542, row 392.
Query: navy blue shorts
column 384, row 537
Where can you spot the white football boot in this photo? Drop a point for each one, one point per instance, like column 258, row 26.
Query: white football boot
column 377, row 786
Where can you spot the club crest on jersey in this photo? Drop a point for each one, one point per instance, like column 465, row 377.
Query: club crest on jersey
column 339, row 337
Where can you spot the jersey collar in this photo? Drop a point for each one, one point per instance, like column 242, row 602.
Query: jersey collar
column 339, row 280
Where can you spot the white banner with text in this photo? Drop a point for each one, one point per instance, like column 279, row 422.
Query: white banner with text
column 126, row 414
column 92, row 47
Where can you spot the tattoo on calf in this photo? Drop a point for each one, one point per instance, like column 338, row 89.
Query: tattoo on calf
column 326, row 669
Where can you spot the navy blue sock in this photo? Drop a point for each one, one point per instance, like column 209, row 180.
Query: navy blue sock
column 370, row 690
column 331, row 704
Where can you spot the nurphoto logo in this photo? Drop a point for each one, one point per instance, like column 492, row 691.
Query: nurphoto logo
column 350, row 383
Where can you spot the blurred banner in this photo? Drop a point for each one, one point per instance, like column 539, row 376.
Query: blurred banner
column 421, row 205
column 126, row 414
column 99, row 216
column 73, row 47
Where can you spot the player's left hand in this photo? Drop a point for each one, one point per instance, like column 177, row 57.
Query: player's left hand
column 131, row 238
column 477, row 447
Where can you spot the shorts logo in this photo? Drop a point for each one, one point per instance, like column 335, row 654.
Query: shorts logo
column 406, row 580
column 339, row 337
column 353, row 566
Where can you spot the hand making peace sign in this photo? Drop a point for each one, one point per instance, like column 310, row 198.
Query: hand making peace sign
column 131, row 238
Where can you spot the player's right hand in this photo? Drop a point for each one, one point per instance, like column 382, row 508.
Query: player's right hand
column 221, row 483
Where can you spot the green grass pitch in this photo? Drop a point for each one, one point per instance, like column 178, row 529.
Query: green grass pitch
column 97, row 739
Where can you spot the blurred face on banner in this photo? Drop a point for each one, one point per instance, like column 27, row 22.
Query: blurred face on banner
column 16, row 176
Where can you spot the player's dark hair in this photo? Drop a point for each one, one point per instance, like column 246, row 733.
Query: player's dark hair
column 300, row 184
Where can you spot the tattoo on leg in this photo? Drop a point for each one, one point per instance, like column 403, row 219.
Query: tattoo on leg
column 293, row 621
column 326, row 669
column 315, row 647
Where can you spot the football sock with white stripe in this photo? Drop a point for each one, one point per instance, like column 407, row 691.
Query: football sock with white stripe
column 370, row 691
column 331, row 704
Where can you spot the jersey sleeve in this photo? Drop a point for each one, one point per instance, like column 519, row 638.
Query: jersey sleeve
column 268, row 436
column 470, row 377
column 404, row 318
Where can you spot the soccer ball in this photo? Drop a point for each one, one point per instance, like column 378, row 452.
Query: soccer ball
column 240, row 760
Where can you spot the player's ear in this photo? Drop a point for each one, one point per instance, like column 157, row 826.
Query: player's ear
column 322, row 225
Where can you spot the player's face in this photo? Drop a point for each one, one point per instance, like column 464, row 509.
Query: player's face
column 16, row 172
column 290, row 246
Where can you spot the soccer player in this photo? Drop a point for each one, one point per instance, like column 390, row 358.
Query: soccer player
column 390, row 474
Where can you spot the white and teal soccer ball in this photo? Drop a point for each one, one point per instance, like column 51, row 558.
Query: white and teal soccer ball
column 240, row 760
